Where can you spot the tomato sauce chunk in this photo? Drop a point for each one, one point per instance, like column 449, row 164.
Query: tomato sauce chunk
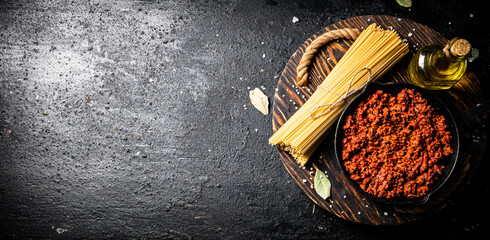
column 395, row 146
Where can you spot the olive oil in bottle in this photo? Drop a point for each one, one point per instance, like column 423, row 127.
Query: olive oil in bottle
column 441, row 66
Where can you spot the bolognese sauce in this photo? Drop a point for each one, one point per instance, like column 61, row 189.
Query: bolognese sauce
column 394, row 146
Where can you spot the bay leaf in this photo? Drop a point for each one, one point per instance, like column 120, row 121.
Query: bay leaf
column 404, row 3
column 259, row 100
column 322, row 185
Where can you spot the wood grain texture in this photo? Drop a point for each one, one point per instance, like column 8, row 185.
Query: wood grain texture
column 345, row 201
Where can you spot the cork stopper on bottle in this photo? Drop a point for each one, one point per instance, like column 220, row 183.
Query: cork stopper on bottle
column 458, row 47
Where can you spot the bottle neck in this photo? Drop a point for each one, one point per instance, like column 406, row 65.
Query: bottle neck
column 457, row 49
column 451, row 56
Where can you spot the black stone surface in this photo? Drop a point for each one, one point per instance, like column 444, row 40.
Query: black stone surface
column 131, row 120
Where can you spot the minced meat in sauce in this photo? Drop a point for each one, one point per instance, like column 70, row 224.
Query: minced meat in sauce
column 394, row 146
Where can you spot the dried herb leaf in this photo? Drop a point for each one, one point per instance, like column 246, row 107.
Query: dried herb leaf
column 322, row 184
column 404, row 3
column 259, row 100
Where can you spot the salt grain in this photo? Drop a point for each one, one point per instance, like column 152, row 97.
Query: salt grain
column 295, row 19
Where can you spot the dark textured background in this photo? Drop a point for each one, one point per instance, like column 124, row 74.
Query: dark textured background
column 131, row 119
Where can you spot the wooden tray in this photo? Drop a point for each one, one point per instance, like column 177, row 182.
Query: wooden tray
column 346, row 202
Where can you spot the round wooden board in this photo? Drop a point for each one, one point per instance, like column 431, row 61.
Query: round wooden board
column 345, row 201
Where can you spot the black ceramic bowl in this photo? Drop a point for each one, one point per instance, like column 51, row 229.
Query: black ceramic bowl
column 394, row 88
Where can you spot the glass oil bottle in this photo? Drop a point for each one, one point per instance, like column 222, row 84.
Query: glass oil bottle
column 441, row 66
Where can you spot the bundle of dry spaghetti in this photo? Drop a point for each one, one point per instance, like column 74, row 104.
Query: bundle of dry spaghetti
column 373, row 52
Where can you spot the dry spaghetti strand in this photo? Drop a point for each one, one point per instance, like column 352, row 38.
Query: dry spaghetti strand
column 375, row 49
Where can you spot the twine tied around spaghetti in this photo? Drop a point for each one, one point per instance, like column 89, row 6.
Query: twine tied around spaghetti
column 344, row 96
